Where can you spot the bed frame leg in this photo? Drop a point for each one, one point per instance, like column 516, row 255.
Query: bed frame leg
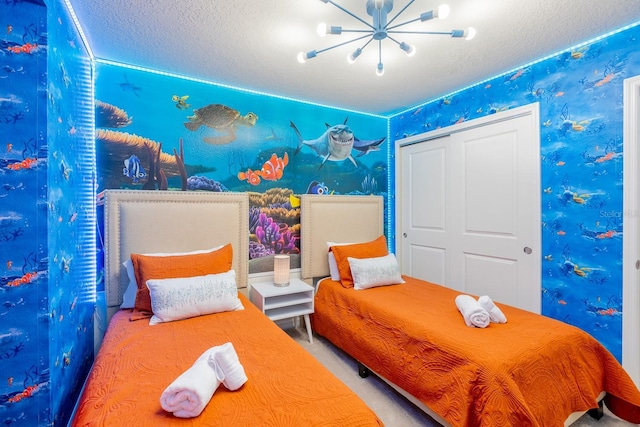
column 363, row 371
column 596, row 413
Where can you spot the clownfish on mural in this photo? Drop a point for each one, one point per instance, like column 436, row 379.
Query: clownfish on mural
column 272, row 170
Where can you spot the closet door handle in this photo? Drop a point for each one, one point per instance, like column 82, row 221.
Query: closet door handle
column 527, row 250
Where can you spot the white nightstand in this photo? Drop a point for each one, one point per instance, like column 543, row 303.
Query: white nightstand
column 284, row 302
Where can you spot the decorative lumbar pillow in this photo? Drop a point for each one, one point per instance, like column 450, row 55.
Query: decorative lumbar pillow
column 185, row 297
column 371, row 272
column 172, row 267
column 129, row 296
column 333, row 265
column 375, row 248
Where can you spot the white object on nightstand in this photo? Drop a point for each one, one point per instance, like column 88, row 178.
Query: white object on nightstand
column 284, row 302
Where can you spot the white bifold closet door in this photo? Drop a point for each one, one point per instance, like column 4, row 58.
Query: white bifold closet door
column 470, row 208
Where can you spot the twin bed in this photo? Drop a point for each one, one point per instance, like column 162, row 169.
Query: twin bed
column 410, row 334
column 137, row 361
column 530, row 371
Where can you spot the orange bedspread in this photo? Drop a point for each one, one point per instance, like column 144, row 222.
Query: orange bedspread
column 531, row 371
column 286, row 386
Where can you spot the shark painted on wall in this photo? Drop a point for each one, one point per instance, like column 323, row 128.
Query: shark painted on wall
column 337, row 143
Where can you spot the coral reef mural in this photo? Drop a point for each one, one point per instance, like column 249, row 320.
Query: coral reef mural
column 155, row 131
column 46, row 220
column 580, row 96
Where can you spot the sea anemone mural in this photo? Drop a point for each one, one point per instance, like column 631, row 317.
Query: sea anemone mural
column 274, row 228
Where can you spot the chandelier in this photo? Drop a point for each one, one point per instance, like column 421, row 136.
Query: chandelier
column 381, row 28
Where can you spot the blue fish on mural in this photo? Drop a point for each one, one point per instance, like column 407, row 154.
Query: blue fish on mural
column 316, row 187
column 336, row 143
column 133, row 169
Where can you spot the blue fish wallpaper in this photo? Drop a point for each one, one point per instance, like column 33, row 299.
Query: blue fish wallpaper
column 72, row 126
column 47, row 221
column 581, row 112
column 156, row 131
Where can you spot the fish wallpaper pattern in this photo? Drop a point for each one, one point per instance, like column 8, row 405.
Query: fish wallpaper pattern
column 156, row 131
column 47, row 277
column 580, row 93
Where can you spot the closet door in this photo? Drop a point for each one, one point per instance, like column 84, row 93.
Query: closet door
column 495, row 214
column 470, row 209
column 424, row 213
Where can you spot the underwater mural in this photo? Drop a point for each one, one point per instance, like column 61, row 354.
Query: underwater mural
column 581, row 112
column 48, row 269
column 160, row 132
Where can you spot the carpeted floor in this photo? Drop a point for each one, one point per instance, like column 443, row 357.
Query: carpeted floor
column 392, row 408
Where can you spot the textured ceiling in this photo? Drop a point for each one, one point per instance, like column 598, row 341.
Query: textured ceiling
column 252, row 44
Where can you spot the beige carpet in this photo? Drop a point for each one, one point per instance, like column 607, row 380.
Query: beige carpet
column 392, row 408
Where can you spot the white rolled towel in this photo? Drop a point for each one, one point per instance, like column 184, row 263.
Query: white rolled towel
column 228, row 367
column 496, row 315
column 189, row 394
column 472, row 312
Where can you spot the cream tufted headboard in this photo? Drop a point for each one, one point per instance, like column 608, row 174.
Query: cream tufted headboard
column 138, row 221
column 327, row 218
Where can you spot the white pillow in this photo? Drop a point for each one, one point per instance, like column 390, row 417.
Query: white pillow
column 129, row 296
column 371, row 272
column 182, row 298
column 333, row 264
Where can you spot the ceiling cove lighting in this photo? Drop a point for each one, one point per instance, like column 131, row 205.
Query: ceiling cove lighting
column 381, row 28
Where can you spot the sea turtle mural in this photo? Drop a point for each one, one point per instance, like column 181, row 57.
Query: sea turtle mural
column 221, row 118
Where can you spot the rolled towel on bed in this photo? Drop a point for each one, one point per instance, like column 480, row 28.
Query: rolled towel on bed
column 226, row 359
column 187, row 395
column 496, row 315
column 472, row 312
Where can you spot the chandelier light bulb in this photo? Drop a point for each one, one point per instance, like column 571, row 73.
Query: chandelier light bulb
column 302, row 58
column 443, row 11
column 354, row 55
column 380, row 69
column 470, row 33
column 322, row 29
column 410, row 50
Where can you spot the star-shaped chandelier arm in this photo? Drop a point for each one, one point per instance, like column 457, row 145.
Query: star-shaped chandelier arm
column 400, row 13
column 302, row 56
column 353, row 15
column 441, row 13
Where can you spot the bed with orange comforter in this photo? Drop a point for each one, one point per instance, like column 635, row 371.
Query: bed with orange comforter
column 531, row 371
column 286, row 386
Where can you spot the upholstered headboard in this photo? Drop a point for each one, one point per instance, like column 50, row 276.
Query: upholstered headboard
column 170, row 221
column 344, row 219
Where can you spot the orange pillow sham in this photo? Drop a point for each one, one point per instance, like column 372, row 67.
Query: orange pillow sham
column 372, row 249
column 172, row 267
